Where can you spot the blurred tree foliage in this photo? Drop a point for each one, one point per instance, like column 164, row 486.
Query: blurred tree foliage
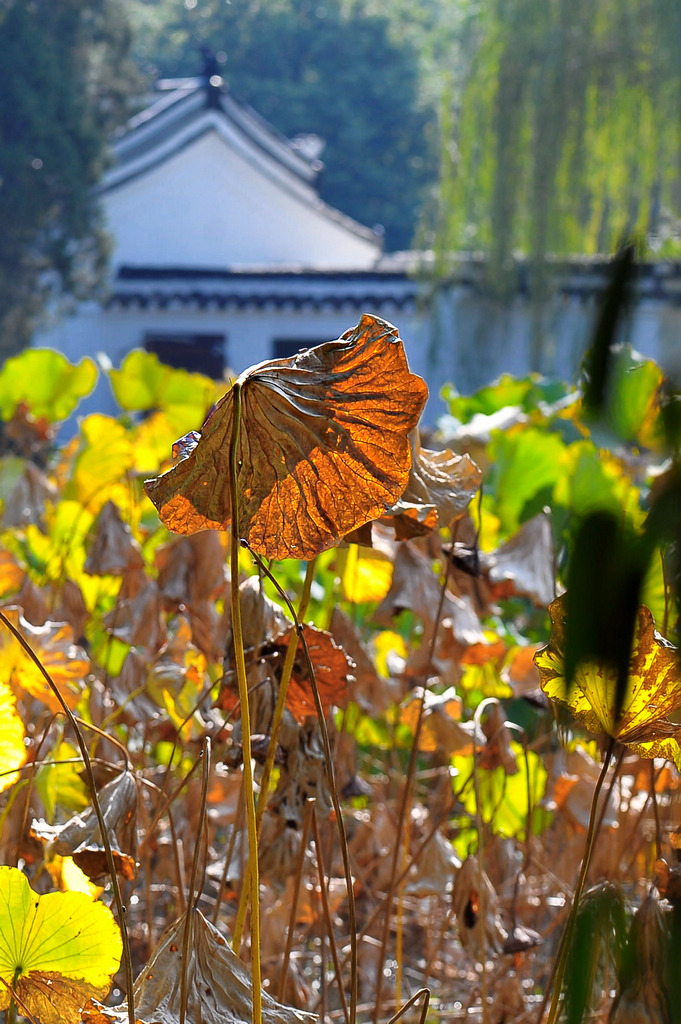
column 329, row 68
column 64, row 82
column 564, row 134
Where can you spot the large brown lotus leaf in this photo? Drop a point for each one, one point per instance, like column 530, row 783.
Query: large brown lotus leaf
column 53, row 644
column 113, row 550
column 80, row 837
column 527, row 561
column 440, row 488
column 220, row 990
column 323, row 447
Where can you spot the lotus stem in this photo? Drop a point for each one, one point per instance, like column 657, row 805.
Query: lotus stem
column 240, row 663
column 566, row 940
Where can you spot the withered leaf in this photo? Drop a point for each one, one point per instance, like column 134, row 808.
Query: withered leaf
column 219, row 987
column 113, row 549
column 80, row 837
column 441, row 485
column 526, row 560
column 53, row 643
column 331, row 665
column 323, row 447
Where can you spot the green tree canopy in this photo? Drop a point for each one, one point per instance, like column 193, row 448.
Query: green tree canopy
column 330, row 69
column 565, row 134
column 64, row 83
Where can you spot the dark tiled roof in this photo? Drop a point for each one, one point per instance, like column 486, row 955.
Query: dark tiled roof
column 250, row 288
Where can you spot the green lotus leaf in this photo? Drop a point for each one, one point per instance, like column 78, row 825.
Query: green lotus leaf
column 46, row 382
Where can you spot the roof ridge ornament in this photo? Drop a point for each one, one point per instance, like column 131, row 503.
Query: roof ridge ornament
column 211, row 78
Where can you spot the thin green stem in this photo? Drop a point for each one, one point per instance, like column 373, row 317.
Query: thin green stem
column 566, row 941
column 240, row 663
column 283, row 692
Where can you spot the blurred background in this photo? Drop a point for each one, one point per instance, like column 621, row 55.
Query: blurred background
column 464, row 168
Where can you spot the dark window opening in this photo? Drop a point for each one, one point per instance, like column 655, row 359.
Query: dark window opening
column 198, row 353
column 284, row 348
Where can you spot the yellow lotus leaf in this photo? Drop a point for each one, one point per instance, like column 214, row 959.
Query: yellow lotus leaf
column 12, row 749
column 56, row 951
column 68, row 877
column 108, row 453
column 367, row 575
column 323, row 447
column 53, row 644
column 653, row 690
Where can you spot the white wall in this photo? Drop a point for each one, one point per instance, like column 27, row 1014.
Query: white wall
column 207, row 206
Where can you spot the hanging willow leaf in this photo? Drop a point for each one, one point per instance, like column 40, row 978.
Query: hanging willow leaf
column 323, row 447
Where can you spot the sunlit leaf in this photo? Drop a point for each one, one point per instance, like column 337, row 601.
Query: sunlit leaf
column 442, row 728
column 68, row 877
column 53, row 644
column 46, row 382
column 503, row 796
column 652, row 694
column 323, row 447
column 56, row 950
column 11, row 574
column 390, row 652
column 366, row 575
column 12, row 749
column 144, row 383
column 527, row 465
column 58, row 782
column 331, row 666
column 106, row 455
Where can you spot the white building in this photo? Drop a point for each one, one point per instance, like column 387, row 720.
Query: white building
column 224, row 255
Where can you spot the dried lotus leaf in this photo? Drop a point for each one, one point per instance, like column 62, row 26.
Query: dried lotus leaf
column 323, row 447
